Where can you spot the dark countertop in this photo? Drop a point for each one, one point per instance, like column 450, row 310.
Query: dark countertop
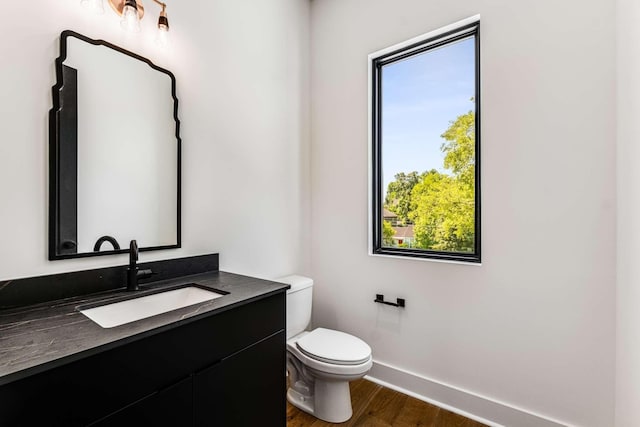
column 40, row 337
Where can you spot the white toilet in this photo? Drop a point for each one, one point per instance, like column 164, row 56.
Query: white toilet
column 321, row 362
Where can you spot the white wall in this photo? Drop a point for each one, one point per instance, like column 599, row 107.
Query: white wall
column 628, row 327
column 242, row 77
column 534, row 326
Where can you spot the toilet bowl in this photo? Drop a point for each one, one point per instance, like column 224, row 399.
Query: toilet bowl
column 321, row 362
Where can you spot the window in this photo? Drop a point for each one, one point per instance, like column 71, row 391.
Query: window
column 425, row 146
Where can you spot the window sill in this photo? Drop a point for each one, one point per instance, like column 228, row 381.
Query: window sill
column 420, row 257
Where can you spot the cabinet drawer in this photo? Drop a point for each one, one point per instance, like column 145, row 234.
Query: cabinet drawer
column 246, row 389
column 172, row 406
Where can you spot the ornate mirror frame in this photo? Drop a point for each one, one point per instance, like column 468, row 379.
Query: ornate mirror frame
column 63, row 158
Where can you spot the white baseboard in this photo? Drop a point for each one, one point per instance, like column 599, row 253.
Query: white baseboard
column 479, row 408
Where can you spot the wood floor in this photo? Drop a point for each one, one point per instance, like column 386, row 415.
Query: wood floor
column 377, row 406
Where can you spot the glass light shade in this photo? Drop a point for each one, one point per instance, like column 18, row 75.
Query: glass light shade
column 162, row 36
column 94, row 5
column 130, row 20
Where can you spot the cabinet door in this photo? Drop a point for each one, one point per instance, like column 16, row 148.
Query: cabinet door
column 172, row 406
column 245, row 389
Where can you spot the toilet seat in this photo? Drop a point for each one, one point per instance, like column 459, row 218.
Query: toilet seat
column 354, row 370
column 334, row 347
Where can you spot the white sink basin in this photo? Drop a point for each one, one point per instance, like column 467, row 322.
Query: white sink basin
column 119, row 313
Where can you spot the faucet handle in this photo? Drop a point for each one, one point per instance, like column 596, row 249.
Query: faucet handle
column 133, row 252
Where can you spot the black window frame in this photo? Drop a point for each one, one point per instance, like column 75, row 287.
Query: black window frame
column 377, row 62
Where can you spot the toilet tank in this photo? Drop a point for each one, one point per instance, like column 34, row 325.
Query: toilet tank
column 298, row 303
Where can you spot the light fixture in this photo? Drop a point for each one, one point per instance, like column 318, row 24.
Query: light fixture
column 163, row 27
column 131, row 12
column 130, row 19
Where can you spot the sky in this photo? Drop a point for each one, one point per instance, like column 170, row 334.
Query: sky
column 421, row 95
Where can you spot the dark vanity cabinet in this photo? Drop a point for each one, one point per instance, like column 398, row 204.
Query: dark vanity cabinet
column 222, row 369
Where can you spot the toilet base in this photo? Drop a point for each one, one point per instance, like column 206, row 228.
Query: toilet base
column 334, row 401
column 330, row 402
column 300, row 401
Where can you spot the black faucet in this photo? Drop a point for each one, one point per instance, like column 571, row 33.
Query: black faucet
column 133, row 273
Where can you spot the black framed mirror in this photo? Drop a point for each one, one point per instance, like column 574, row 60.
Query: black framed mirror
column 114, row 152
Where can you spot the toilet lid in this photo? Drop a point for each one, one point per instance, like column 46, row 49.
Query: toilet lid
column 334, row 347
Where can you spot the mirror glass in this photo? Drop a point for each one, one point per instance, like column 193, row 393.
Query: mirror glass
column 115, row 152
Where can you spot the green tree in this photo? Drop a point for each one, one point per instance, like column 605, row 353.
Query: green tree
column 460, row 146
column 443, row 214
column 442, row 206
column 387, row 233
column 398, row 198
